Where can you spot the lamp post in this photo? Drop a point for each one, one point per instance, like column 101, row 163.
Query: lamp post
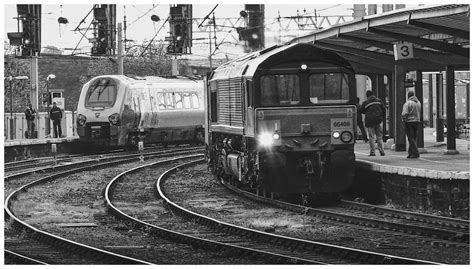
column 47, row 123
column 10, row 79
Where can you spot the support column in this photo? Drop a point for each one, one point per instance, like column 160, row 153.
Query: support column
column 467, row 104
column 382, row 94
column 450, row 112
column 430, row 100
column 34, row 83
column 439, row 108
column 420, row 139
column 119, row 49
column 391, row 114
column 400, row 98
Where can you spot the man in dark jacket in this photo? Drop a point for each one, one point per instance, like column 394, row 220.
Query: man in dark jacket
column 374, row 111
column 360, row 123
column 411, row 117
column 55, row 114
column 30, row 114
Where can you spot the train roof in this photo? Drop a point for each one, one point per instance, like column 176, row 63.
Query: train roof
column 248, row 64
column 152, row 79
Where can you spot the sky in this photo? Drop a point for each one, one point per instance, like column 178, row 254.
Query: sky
column 140, row 27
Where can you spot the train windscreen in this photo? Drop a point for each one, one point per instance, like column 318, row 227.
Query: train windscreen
column 101, row 93
column 277, row 90
column 329, row 88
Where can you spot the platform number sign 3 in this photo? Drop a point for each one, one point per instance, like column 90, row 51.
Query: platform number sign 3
column 403, row 51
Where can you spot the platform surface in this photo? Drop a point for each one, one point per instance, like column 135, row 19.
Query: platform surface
column 433, row 162
column 38, row 141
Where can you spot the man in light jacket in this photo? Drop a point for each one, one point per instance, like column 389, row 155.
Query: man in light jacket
column 411, row 117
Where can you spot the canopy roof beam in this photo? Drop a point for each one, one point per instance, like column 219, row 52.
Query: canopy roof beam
column 441, row 46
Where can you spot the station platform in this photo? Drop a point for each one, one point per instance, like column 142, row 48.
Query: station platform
column 38, row 141
column 436, row 183
column 21, row 149
column 433, row 162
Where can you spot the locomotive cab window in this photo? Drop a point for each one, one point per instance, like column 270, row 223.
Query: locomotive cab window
column 279, row 90
column 101, row 93
column 329, row 88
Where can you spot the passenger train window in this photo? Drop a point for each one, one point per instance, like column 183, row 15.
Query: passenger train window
column 194, row 100
column 329, row 88
column 101, row 93
column 161, row 101
column 168, row 100
column 187, row 100
column 279, row 90
column 178, row 100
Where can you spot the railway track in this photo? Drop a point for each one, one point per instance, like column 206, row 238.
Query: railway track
column 211, row 199
column 441, row 231
column 49, row 248
column 272, row 248
column 46, row 165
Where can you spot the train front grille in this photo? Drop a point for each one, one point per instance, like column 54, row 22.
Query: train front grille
column 97, row 131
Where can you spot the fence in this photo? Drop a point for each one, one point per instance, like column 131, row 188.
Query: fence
column 19, row 126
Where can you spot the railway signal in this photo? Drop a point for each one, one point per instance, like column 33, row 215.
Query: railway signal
column 180, row 29
column 29, row 39
column 104, row 30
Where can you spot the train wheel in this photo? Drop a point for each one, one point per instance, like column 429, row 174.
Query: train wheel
column 304, row 199
column 324, row 199
column 198, row 138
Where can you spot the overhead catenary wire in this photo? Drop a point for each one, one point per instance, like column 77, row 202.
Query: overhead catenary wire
column 151, row 9
column 207, row 16
column 154, row 36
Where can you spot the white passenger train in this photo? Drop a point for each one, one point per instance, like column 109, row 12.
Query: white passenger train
column 117, row 110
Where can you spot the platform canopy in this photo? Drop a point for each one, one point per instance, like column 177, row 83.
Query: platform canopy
column 437, row 34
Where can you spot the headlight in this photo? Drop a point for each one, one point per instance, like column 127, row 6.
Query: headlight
column 267, row 139
column 81, row 120
column 114, row 119
column 276, row 136
column 346, row 137
column 336, row 135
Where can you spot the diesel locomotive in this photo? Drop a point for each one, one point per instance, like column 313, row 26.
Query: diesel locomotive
column 117, row 110
column 282, row 121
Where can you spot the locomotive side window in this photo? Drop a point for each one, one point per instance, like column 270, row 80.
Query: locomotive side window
column 277, row 90
column 212, row 106
column 101, row 93
column 329, row 88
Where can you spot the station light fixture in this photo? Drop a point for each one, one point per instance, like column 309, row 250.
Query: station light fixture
column 155, row 18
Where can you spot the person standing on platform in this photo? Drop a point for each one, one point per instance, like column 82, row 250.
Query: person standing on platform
column 55, row 114
column 411, row 117
column 30, row 114
column 360, row 123
column 374, row 111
